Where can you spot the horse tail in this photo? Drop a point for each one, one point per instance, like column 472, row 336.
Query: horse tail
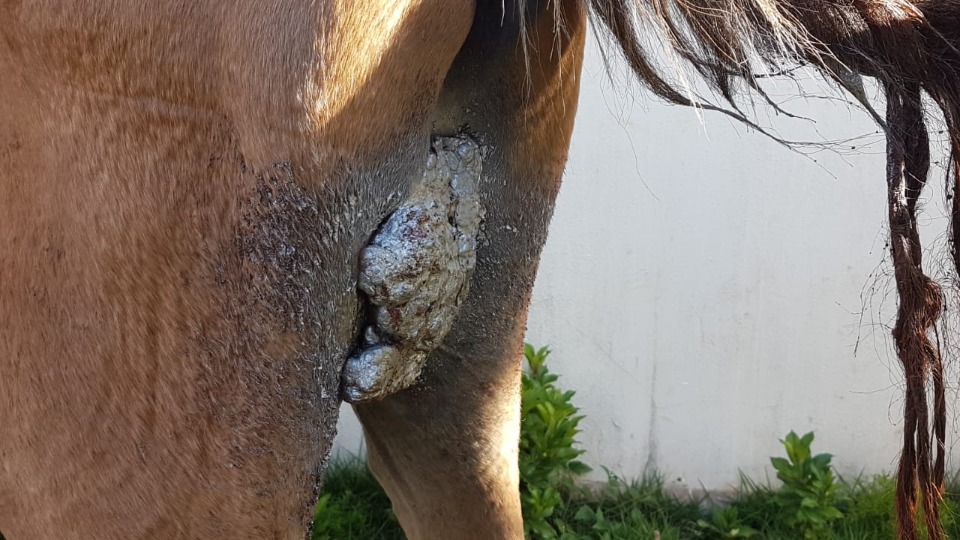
column 912, row 48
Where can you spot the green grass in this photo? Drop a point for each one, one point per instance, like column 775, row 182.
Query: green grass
column 809, row 502
column 354, row 506
column 629, row 510
column 867, row 506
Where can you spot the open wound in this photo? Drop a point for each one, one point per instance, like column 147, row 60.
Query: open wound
column 416, row 272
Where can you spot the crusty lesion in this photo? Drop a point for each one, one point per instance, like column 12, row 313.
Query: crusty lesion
column 416, row 271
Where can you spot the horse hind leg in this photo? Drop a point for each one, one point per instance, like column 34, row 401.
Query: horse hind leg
column 445, row 448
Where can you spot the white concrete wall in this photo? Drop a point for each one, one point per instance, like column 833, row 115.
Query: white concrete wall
column 705, row 290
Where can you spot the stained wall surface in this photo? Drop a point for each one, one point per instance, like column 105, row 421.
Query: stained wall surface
column 705, row 290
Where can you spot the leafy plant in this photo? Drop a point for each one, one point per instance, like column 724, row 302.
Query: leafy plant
column 725, row 523
column 634, row 510
column 630, row 525
column 354, row 506
column 808, row 496
column 808, row 505
column 548, row 458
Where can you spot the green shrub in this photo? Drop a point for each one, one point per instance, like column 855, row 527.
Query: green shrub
column 808, row 496
column 548, row 459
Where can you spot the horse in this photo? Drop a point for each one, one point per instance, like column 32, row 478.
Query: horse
column 218, row 221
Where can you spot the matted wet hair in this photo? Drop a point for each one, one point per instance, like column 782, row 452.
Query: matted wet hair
column 911, row 48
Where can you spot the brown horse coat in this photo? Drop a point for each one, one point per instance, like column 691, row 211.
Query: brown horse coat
column 186, row 188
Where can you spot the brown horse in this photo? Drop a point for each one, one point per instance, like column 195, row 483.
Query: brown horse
column 188, row 189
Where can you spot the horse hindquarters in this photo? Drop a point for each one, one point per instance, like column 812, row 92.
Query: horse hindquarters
column 446, row 449
column 186, row 187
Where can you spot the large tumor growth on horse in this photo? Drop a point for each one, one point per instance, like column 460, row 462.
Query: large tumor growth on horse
column 415, row 273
